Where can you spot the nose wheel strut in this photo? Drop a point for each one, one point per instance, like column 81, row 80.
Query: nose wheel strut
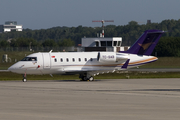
column 24, row 78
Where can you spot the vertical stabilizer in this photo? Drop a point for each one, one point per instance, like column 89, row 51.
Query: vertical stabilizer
column 146, row 43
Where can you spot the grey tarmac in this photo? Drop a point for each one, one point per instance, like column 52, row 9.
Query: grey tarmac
column 117, row 99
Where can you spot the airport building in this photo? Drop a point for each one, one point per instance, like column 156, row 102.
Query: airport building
column 112, row 44
column 100, row 43
column 10, row 26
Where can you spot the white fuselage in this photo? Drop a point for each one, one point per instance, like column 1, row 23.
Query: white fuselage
column 77, row 62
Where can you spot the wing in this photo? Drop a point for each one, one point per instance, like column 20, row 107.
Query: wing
column 97, row 69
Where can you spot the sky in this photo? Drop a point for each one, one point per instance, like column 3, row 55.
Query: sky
column 44, row 14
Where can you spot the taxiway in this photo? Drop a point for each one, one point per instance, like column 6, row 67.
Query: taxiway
column 122, row 99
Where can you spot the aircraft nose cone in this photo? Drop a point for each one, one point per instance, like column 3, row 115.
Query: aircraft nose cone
column 10, row 68
column 13, row 68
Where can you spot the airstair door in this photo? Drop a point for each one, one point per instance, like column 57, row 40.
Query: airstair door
column 46, row 61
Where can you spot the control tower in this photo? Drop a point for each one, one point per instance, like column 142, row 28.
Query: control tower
column 101, row 43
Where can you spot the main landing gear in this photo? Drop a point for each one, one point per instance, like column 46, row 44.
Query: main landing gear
column 86, row 77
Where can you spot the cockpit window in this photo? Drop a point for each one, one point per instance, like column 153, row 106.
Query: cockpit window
column 29, row 59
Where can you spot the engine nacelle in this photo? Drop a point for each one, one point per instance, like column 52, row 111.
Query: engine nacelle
column 106, row 57
column 110, row 57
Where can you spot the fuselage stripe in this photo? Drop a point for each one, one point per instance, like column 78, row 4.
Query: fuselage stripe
column 114, row 65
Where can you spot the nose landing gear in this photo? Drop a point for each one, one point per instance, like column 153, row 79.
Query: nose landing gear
column 24, row 78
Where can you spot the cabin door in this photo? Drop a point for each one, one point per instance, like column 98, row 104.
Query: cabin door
column 46, row 61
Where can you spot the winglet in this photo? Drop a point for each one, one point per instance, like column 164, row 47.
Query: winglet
column 125, row 64
column 146, row 43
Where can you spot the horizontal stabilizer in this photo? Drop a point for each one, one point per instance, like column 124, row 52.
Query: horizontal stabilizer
column 125, row 64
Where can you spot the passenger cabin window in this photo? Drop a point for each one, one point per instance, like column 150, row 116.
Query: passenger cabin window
column 79, row 59
column 61, row 60
column 67, row 59
column 85, row 59
column 91, row 59
column 73, row 59
column 55, row 60
column 29, row 59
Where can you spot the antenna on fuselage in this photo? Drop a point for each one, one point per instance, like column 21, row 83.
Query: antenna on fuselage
column 50, row 51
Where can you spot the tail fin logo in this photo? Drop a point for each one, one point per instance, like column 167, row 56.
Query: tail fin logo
column 146, row 45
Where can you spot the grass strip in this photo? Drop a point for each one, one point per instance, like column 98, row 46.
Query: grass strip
column 6, row 76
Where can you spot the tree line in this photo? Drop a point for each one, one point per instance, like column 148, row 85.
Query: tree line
column 71, row 36
column 30, row 42
column 168, row 47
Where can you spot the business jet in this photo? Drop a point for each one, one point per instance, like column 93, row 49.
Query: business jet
column 89, row 64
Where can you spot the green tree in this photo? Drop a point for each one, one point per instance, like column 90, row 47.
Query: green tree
column 168, row 46
column 4, row 43
column 20, row 42
column 66, row 43
column 49, row 43
column 23, row 42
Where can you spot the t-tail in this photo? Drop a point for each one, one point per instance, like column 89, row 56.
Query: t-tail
column 146, row 43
